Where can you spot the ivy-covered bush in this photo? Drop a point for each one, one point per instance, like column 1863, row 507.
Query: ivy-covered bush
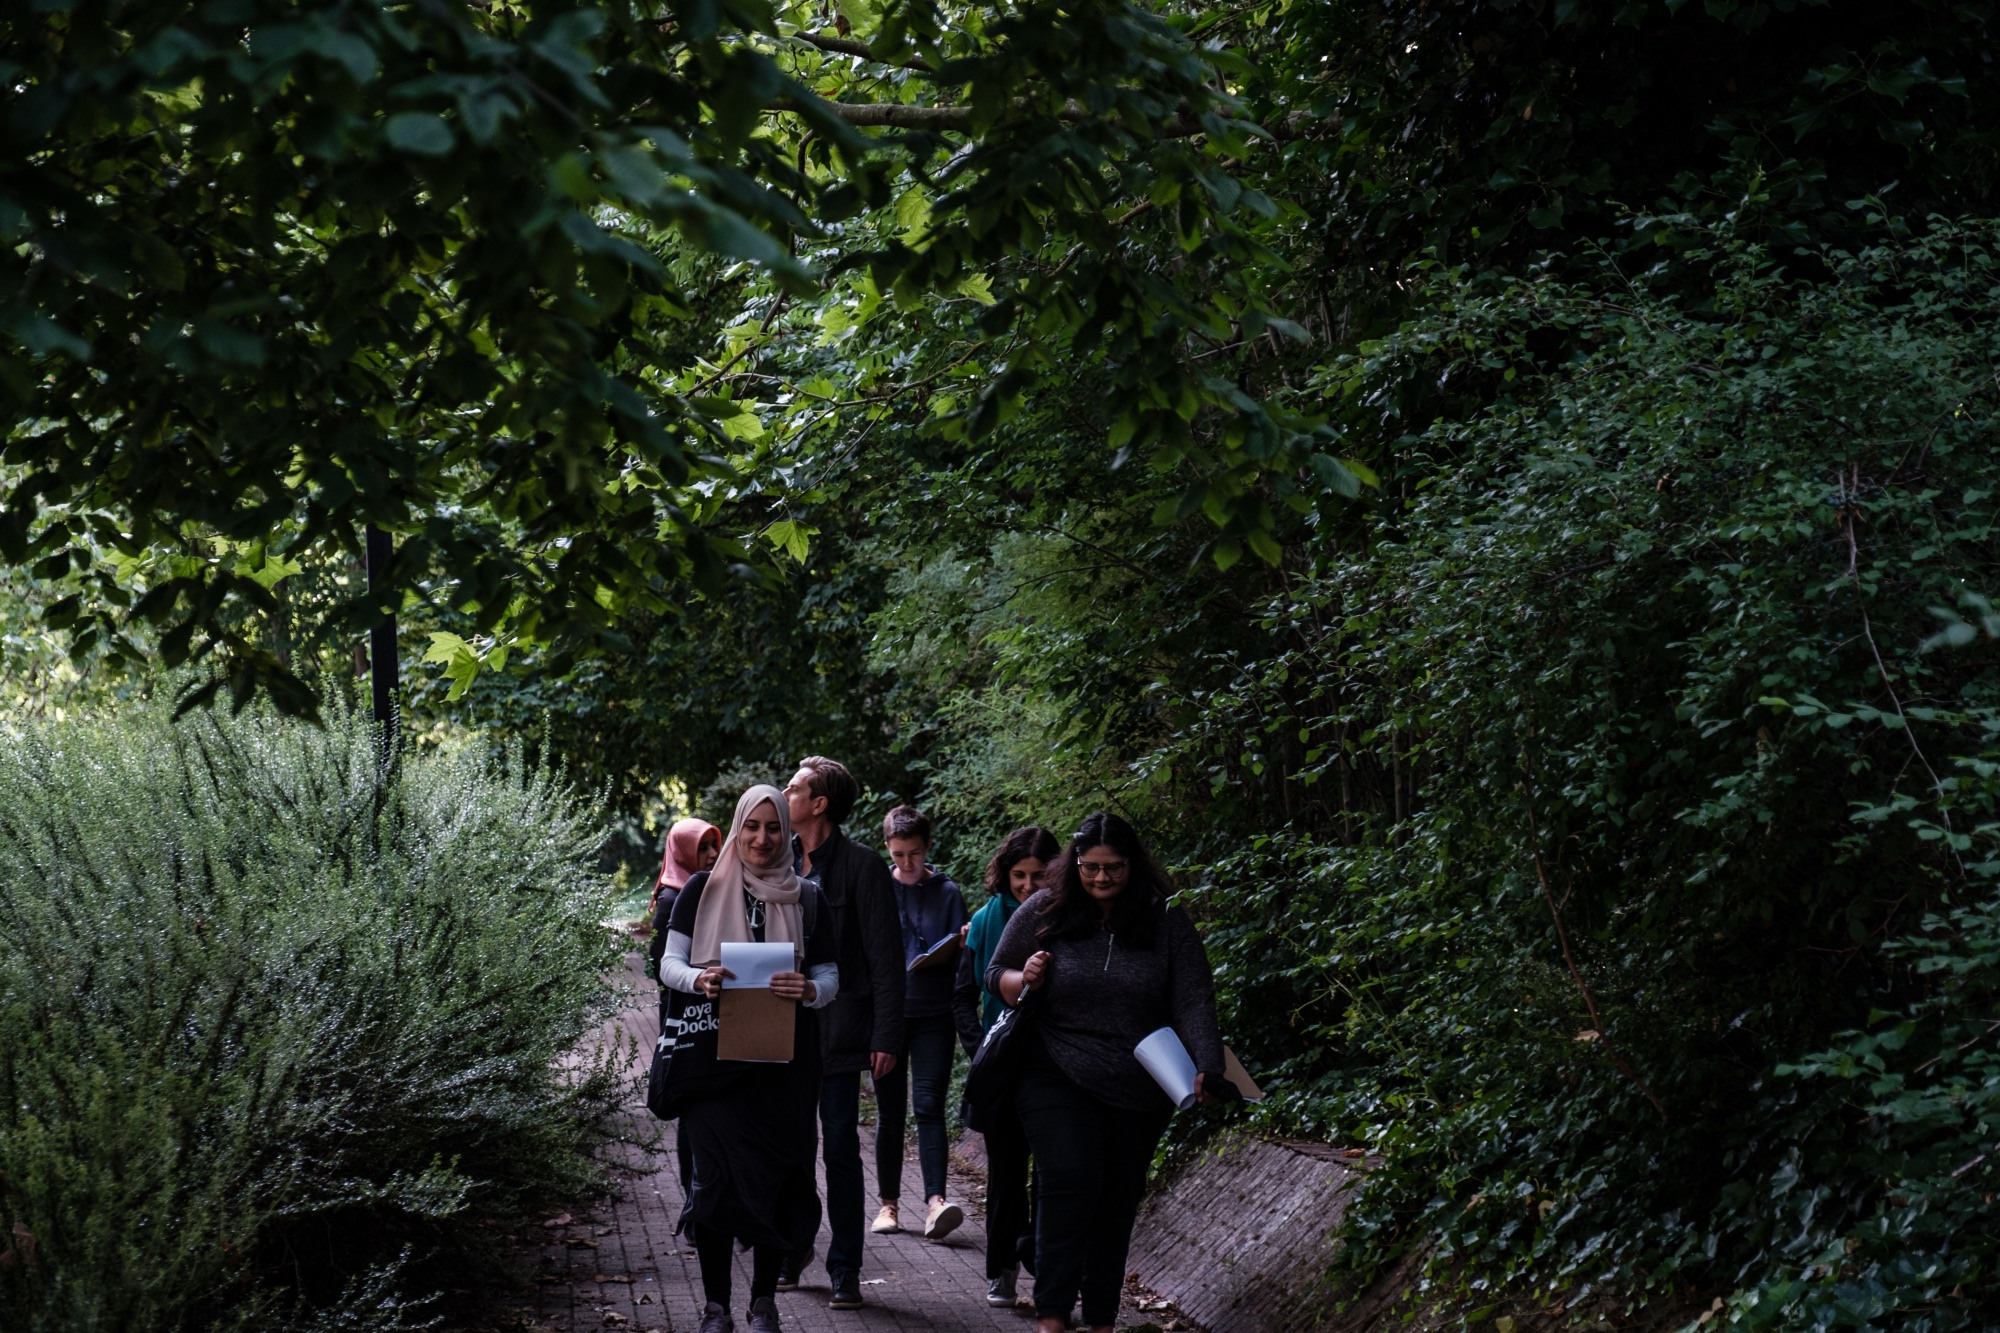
column 1668, row 970
column 272, row 1023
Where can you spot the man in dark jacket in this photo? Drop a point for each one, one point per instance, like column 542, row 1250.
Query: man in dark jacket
column 864, row 1024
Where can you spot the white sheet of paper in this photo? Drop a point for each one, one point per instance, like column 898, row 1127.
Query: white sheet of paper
column 755, row 964
column 1170, row 1065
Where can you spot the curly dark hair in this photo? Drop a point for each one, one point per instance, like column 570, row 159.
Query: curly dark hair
column 1033, row 843
column 1135, row 912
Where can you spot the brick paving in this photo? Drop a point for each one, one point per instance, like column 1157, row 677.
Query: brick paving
column 619, row 1266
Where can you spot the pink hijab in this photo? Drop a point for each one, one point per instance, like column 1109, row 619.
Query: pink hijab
column 683, row 852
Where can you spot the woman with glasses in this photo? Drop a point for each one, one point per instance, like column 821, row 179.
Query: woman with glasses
column 1111, row 962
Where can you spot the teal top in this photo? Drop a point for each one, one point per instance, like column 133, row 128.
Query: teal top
column 987, row 923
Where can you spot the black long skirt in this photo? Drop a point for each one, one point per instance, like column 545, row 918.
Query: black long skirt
column 751, row 1144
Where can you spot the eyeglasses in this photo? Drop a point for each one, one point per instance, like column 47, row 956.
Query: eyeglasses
column 1103, row 869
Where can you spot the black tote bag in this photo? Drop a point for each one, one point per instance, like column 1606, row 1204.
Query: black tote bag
column 996, row 1065
column 684, row 1064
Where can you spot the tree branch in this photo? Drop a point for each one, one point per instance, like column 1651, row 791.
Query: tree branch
column 897, row 116
column 847, row 46
column 958, row 119
column 1850, row 507
column 1562, row 938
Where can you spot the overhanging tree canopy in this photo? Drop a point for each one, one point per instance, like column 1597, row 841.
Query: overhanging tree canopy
column 278, row 271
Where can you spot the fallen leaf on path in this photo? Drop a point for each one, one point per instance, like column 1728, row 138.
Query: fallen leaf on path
column 580, row 1243
column 559, row 1220
column 612, row 1277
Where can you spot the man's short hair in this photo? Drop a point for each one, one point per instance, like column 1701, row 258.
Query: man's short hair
column 831, row 779
column 906, row 821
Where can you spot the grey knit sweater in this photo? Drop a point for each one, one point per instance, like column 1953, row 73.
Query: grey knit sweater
column 1102, row 996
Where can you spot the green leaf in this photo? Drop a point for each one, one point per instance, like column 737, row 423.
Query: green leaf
column 461, row 664
column 1335, row 475
column 418, row 132
column 913, row 215
column 978, row 287
column 745, row 425
column 351, row 52
column 274, row 570
column 791, row 537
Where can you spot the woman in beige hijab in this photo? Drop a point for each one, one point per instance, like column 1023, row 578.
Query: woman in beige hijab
column 748, row 1129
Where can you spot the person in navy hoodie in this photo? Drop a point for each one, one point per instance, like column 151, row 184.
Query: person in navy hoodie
column 932, row 911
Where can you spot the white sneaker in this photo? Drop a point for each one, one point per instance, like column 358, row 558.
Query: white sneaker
column 888, row 1221
column 943, row 1220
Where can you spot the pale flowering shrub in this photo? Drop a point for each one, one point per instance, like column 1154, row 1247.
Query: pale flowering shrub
column 273, row 1023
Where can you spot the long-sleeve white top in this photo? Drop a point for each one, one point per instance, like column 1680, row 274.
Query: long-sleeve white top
column 679, row 974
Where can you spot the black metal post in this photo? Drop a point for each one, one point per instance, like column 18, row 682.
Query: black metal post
column 384, row 674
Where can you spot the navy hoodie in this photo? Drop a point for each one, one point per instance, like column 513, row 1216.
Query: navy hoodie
column 929, row 910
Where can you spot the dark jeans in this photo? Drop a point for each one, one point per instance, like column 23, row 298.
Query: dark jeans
column 840, row 1123
column 1091, row 1160
column 922, row 1074
column 1008, row 1227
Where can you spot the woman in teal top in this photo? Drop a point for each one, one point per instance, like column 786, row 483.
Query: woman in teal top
column 1012, row 877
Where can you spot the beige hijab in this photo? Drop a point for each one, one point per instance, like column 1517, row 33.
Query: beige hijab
column 723, row 916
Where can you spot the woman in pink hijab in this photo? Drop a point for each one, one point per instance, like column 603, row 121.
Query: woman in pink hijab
column 692, row 846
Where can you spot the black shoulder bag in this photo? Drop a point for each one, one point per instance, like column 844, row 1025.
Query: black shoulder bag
column 996, row 1066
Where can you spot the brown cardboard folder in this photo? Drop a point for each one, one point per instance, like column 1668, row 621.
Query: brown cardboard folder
column 754, row 1024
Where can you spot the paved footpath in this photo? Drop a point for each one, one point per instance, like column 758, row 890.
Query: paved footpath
column 619, row 1266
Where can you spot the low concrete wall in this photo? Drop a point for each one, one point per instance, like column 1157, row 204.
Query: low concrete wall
column 1240, row 1242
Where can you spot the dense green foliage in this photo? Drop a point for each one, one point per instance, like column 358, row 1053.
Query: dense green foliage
column 1576, row 630
column 275, row 271
column 270, row 1027
column 1487, row 523
column 1645, row 650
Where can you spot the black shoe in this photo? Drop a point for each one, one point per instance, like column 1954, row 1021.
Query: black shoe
column 795, row 1263
column 846, row 1291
